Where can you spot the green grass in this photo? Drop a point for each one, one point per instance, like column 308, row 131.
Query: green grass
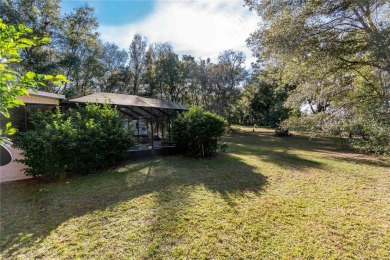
column 265, row 198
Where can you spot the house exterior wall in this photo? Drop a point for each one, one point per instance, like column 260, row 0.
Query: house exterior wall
column 20, row 115
column 18, row 118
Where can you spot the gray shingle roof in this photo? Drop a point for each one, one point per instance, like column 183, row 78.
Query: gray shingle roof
column 129, row 100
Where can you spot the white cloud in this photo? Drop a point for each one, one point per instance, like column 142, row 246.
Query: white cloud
column 197, row 27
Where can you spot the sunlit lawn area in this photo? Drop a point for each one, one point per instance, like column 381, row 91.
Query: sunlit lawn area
column 266, row 197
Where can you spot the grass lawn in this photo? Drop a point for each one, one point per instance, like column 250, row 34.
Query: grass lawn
column 266, row 197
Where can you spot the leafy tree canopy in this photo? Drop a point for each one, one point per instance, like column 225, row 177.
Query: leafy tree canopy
column 337, row 53
column 13, row 83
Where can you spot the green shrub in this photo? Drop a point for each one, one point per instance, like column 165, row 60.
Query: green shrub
column 223, row 146
column 84, row 140
column 197, row 132
column 281, row 131
column 375, row 136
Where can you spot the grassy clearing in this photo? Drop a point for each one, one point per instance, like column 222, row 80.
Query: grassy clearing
column 267, row 197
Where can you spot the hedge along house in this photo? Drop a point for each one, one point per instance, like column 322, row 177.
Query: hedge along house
column 149, row 119
column 35, row 100
column 20, row 120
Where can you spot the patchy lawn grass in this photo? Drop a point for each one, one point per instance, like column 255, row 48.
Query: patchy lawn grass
column 267, row 197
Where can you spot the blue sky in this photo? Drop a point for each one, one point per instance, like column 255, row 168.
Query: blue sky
column 114, row 12
column 202, row 28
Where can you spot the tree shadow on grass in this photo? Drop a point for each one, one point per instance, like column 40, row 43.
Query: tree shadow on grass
column 359, row 159
column 281, row 150
column 277, row 156
column 296, row 142
column 31, row 209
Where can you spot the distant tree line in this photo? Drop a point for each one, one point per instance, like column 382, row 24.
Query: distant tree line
column 146, row 69
column 323, row 65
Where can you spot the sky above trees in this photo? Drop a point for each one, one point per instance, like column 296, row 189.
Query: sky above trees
column 198, row 27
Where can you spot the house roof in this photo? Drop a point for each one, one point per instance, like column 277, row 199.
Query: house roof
column 41, row 98
column 132, row 105
column 45, row 94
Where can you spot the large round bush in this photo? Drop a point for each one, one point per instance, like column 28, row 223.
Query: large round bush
column 198, row 132
column 81, row 141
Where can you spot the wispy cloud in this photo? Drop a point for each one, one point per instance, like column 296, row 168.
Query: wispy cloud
column 197, row 27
